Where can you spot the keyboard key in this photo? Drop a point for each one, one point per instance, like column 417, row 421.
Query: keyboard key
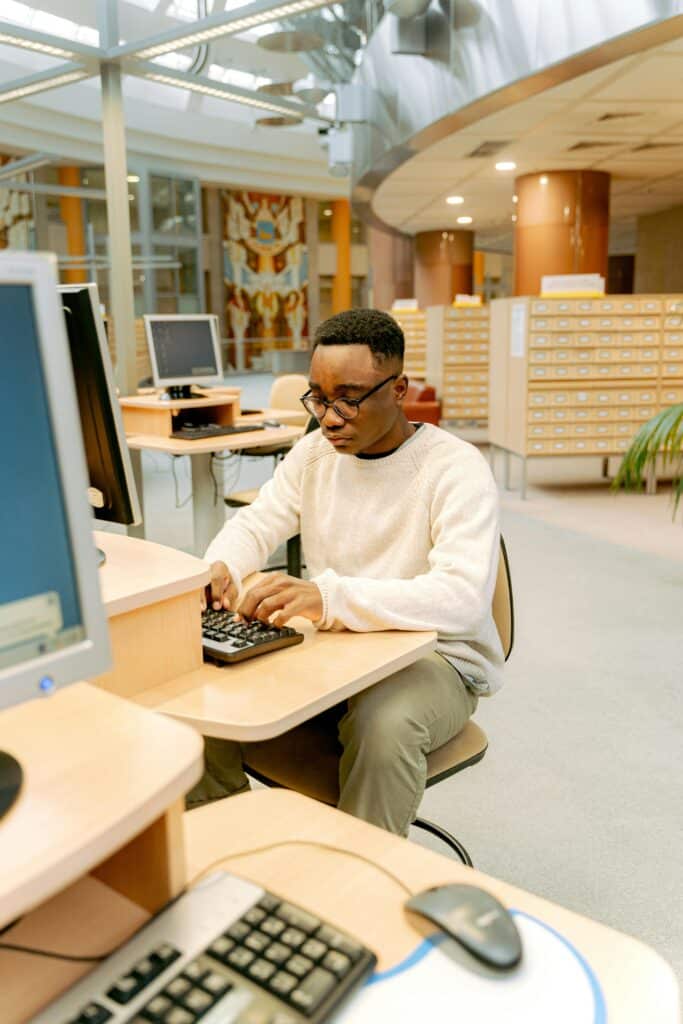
column 94, row 1014
column 157, row 1008
column 216, row 984
column 241, row 958
column 261, row 970
column 254, row 916
column 146, row 969
column 340, row 942
column 337, row 962
column 197, row 1001
column 299, row 965
column 239, row 931
column 178, row 987
column 314, row 948
column 125, row 989
column 297, row 918
column 257, row 942
column 166, row 953
column 311, row 992
column 293, row 937
column 178, row 1015
column 195, row 971
column 220, row 948
column 283, row 983
column 268, row 903
column 278, row 953
column 272, row 926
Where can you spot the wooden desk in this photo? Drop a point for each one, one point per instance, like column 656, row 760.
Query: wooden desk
column 103, row 788
column 151, row 595
column 637, row 984
column 264, row 697
column 207, row 472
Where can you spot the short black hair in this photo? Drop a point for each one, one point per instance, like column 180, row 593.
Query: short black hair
column 370, row 327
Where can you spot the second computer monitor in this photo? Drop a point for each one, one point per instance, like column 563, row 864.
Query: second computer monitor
column 184, row 350
column 113, row 494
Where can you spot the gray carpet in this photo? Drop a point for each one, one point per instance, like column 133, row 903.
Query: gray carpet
column 579, row 797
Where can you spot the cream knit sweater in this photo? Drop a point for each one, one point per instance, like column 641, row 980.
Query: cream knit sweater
column 408, row 541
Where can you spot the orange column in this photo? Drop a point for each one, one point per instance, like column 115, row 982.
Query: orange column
column 443, row 266
column 72, row 214
column 562, row 226
column 341, row 236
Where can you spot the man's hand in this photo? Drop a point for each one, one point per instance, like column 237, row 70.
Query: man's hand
column 221, row 590
column 278, row 598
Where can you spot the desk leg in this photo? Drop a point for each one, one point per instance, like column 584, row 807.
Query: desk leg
column 208, row 507
column 136, row 462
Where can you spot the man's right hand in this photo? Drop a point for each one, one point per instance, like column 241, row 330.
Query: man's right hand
column 221, row 591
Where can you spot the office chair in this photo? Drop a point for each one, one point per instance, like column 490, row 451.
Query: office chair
column 306, row 759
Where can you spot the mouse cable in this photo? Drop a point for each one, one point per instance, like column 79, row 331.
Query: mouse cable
column 72, row 958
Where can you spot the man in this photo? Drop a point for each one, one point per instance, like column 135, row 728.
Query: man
column 399, row 527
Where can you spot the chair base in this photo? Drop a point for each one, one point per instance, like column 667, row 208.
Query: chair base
column 446, row 837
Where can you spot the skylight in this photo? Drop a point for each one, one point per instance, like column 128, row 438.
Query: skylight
column 245, row 79
column 187, row 10
column 40, row 21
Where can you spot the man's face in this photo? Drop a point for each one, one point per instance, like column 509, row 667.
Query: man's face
column 349, row 371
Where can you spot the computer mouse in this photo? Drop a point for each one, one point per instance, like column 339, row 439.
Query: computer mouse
column 475, row 919
column 271, row 423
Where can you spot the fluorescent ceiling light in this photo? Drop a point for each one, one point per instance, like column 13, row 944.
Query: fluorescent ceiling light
column 40, row 42
column 464, row 220
column 228, row 93
column 133, row 178
column 39, row 47
column 506, row 165
column 226, row 23
column 39, row 83
column 454, row 200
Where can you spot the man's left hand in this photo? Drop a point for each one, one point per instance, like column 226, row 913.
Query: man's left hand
column 279, row 597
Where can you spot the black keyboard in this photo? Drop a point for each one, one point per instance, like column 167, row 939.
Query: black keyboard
column 192, row 432
column 225, row 639
column 226, row 952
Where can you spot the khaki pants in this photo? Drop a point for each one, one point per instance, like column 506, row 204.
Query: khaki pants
column 386, row 733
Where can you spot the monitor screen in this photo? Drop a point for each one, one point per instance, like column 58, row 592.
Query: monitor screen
column 113, row 495
column 52, row 625
column 184, row 349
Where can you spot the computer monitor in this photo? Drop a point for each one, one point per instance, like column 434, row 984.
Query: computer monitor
column 112, row 491
column 184, row 350
column 53, row 629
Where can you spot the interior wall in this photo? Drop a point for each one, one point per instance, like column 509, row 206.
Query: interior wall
column 659, row 252
column 391, row 267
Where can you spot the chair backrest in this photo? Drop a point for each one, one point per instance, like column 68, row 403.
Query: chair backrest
column 503, row 606
column 287, row 390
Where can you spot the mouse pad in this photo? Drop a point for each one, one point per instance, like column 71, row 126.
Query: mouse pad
column 553, row 983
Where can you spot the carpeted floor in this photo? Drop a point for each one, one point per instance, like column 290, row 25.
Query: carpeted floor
column 579, row 797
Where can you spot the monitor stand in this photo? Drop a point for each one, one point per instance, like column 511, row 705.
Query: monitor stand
column 11, row 778
column 177, row 392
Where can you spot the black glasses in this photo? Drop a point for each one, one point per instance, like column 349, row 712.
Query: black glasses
column 346, row 408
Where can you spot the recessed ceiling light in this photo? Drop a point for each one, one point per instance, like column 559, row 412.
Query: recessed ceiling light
column 514, row 216
column 506, row 165
column 543, row 180
column 515, row 199
column 464, row 220
column 133, row 178
column 327, row 212
column 454, row 200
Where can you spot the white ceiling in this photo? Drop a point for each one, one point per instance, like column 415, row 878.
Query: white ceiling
column 645, row 91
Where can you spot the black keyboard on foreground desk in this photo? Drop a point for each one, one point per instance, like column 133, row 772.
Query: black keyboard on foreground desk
column 226, row 639
column 226, row 952
column 196, row 432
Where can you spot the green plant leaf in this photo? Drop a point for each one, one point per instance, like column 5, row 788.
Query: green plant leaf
column 662, row 435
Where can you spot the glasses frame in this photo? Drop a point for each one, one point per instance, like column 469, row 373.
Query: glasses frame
column 356, row 402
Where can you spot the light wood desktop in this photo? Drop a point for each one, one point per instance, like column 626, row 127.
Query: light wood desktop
column 151, row 594
column 357, row 896
column 102, row 793
column 148, row 422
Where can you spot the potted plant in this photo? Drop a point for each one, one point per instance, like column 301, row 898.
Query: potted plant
column 662, row 435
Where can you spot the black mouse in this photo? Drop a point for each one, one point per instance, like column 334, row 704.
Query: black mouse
column 475, row 919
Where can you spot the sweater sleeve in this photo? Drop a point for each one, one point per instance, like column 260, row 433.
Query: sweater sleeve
column 250, row 537
column 454, row 597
